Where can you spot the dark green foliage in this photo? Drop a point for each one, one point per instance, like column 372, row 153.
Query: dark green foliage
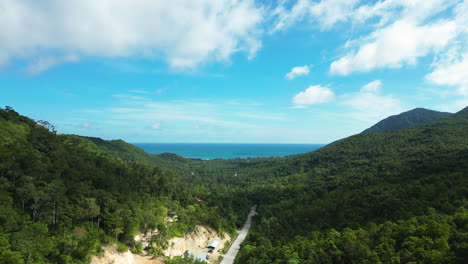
column 325, row 206
column 433, row 238
column 396, row 197
column 62, row 197
column 406, row 120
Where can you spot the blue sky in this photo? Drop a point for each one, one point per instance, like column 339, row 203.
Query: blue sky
column 304, row 71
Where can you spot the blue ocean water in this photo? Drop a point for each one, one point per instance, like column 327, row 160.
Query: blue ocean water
column 227, row 150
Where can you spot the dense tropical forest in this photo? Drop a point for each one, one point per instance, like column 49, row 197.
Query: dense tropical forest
column 62, row 198
column 406, row 120
column 392, row 197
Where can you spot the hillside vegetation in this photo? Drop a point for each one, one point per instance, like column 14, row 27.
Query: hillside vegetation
column 406, row 120
column 397, row 197
column 62, row 197
column 394, row 197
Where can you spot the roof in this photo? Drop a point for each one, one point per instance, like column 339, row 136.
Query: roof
column 213, row 243
column 201, row 256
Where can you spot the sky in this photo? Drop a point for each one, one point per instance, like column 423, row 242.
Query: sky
column 230, row 71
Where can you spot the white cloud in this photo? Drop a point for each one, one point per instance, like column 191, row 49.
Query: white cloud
column 326, row 12
column 330, row 12
column 285, row 18
column 451, row 67
column 460, row 16
column 454, row 106
column 401, row 31
column 175, row 111
column 372, row 87
column 390, row 10
column 315, row 94
column 401, row 43
column 370, row 107
column 298, row 71
column 186, row 33
column 452, row 73
column 44, row 63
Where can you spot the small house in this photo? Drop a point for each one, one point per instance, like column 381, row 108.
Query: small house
column 212, row 245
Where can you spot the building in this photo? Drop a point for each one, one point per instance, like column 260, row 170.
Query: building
column 212, row 245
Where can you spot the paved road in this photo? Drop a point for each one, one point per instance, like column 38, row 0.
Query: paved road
column 235, row 247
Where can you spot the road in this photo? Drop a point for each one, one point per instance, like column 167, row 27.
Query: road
column 235, row 247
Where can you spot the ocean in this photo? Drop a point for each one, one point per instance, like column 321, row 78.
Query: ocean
column 227, row 150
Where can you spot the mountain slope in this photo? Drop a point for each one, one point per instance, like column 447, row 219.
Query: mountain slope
column 129, row 152
column 62, row 197
column 397, row 197
column 406, row 120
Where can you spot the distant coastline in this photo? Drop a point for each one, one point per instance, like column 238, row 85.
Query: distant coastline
column 228, row 150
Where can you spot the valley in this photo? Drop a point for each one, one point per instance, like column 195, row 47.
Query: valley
column 386, row 197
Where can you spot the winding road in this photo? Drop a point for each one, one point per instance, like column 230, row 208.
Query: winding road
column 235, row 247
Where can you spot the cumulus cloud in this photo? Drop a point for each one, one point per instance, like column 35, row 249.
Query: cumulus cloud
column 330, row 12
column 315, row 94
column 400, row 33
column 326, row 12
column 451, row 67
column 285, row 17
column 44, row 63
column 390, row 10
column 403, row 42
column 372, row 87
column 298, row 71
column 452, row 73
column 404, row 31
column 185, row 33
column 369, row 105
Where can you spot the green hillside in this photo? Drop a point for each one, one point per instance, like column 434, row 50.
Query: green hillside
column 396, row 197
column 405, row 120
column 62, row 197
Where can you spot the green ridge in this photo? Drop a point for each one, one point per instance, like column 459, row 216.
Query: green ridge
column 406, row 120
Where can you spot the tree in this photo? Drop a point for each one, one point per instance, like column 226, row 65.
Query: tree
column 88, row 209
column 33, row 242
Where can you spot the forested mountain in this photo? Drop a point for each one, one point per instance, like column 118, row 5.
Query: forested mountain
column 405, row 120
column 396, row 197
column 62, row 197
column 129, row 152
